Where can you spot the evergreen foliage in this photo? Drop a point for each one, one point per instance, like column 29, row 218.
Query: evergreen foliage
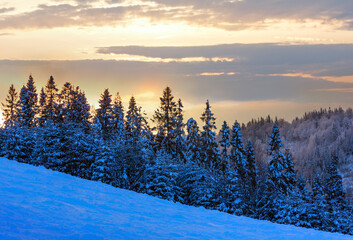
column 9, row 108
column 209, row 148
column 121, row 150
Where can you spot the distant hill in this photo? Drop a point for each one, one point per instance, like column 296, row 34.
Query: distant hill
column 312, row 139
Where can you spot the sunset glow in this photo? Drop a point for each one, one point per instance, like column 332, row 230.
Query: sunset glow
column 231, row 48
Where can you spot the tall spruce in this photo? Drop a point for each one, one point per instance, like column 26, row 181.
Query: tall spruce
column 51, row 105
column 104, row 114
column 225, row 144
column 289, row 173
column 276, row 166
column 335, row 195
column 118, row 117
column 237, row 156
column 210, row 153
column 193, row 143
column 10, row 107
column 27, row 104
column 166, row 120
column 251, row 178
column 180, row 143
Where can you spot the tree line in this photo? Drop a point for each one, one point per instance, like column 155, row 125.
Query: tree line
column 173, row 160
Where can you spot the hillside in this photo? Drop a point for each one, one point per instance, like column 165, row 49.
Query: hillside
column 312, row 140
column 36, row 203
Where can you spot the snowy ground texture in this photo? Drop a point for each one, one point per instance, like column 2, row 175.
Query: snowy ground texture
column 36, row 203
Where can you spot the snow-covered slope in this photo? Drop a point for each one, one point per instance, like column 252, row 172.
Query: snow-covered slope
column 36, row 203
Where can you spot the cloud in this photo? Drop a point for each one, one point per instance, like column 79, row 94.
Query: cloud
column 242, row 93
column 66, row 15
column 224, row 14
column 6, row 10
column 6, row 34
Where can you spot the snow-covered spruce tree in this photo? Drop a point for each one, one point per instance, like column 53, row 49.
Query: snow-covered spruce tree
column 73, row 125
column 48, row 150
column 317, row 213
column 210, row 155
column 9, row 108
column 275, row 187
column 137, row 148
column 231, row 193
column 41, row 107
column 48, row 102
column 132, row 126
column 225, row 143
column 118, row 125
column 339, row 214
column 180, row 143
column 294, row 207
column 276, row 167
column 193, row 145
column 104, row 166
column 237, row 156
column 19, row 143
column 104, row 115
column 161, row 177
column 27, row 104
column 334, row 193
column 251, row 178
column 166, row 121
column 289, row 173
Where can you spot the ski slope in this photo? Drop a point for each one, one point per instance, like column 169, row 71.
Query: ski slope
column 36, row 203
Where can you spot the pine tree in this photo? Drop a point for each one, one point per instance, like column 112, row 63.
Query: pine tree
column 42, row 108
column 276, row 166
column 237, row 156
column 49, row 103
column 27, row 105
column 225, row 144
column 180, row 143
column 193, row 144
column 232, row 195
column 104, row 114
column 165, row 118
column 10, row 107
column 118, row 117
column 132, row 121
column 210, row 152
column 289, row 173
column 334, row 193
column 316, row 213
column 251, row 178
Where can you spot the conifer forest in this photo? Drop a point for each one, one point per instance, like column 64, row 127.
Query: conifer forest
column 298, row 173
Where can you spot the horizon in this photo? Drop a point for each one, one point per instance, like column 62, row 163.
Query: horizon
column 152, row 104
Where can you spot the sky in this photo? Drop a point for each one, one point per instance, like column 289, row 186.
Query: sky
column 250, row 58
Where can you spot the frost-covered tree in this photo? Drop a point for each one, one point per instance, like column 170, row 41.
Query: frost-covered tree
column 118, row 117
column 27, row 104
column 104, row 114
column 165, row 118
column 132, row 125
column 251, row 173
column 276, row 165
column 289, row 172
column 180, row 143
column 209, row 152
column 334, row 193
column 48, row 102
column 193, row 145
column 225, row 144
column 161, row 180
column 237, row 155
column 9, row 108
